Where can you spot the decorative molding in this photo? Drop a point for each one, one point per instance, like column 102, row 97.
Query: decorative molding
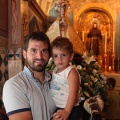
column 35, row 7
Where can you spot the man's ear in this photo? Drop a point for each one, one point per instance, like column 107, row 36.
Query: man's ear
column 24, row 54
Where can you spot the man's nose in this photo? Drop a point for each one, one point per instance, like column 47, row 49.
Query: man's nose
column 39, row 55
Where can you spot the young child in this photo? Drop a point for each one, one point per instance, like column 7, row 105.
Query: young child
column 65, row 81
column 113, row 103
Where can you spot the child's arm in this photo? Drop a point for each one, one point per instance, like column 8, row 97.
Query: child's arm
column 74, row 83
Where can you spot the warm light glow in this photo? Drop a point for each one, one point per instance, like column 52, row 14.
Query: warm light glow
column 109, row 68
column 113, row 41
column 83, row 36
column 105, row 41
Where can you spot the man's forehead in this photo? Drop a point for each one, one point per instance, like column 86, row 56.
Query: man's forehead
column 38, row 42
column 38, row 45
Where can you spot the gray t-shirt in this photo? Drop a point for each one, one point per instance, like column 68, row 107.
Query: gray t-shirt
column 25, row 93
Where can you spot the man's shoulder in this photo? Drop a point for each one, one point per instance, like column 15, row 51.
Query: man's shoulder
column 16, row 78
column 19, row 75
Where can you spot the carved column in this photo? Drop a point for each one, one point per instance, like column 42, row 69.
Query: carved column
column 14, row 24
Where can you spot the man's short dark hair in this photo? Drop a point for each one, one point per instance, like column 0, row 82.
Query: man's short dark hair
column 38, row 36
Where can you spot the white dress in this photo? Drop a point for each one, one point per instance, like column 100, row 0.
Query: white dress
column 59, row 87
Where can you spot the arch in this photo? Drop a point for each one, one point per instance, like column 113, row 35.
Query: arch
column 105, row 9
column 99, row 6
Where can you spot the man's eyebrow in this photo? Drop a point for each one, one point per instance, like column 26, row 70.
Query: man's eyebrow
column 45, row 49
column 32, row 48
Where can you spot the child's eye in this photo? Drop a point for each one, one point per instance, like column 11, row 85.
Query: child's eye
column 63, row 55
column 54, row 56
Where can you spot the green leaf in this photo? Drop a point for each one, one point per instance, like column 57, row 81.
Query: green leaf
column 86, row 94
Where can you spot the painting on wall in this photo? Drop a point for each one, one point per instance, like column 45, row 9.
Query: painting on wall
column 35, row 21
column 33, row 25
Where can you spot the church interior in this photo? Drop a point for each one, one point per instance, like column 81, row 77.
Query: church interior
column 74, row 19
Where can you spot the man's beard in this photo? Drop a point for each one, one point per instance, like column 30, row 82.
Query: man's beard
column 39, row 67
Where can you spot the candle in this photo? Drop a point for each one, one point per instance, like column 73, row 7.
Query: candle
column 83, row 36
column 105, row 41
column 113, row 41
column 109, row 68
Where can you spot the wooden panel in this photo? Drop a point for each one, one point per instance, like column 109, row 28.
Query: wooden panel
column 4, row 18
column 118, row 35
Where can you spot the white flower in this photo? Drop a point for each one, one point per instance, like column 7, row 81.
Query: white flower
column 103, row 77
column 92, row 77
column 104, row 81
column 79, row 67
column 94, row 71
column 50, row 61
column 74, row 66
column 84, row 55
column 88, row 59
column 86, row 84
column 95, row 80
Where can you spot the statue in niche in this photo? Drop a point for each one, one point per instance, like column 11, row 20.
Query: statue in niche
column 94, row 35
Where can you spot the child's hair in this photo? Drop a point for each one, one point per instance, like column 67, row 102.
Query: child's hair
column 111, row 82
column 62, row 43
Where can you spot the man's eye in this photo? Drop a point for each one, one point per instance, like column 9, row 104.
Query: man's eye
column 45, row 51
column 33, row 50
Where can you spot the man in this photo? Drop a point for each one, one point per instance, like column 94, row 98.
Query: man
column 26, row 95
column 112, row 110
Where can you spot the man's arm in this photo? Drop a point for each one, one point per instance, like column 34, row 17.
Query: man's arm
column 16, row 102
column 21, row 116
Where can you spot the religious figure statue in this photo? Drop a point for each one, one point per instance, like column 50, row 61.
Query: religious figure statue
column 94, row 35
column 63, row 27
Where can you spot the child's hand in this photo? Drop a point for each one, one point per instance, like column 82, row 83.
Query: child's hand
column 57, row 116
column 64, row 114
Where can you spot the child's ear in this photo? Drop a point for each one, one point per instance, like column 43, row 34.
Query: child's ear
column 72, row 55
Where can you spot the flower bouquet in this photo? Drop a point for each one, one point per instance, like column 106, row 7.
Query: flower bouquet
column 93, row 82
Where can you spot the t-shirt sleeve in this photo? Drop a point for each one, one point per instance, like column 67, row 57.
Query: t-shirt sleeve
column 14, row 97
